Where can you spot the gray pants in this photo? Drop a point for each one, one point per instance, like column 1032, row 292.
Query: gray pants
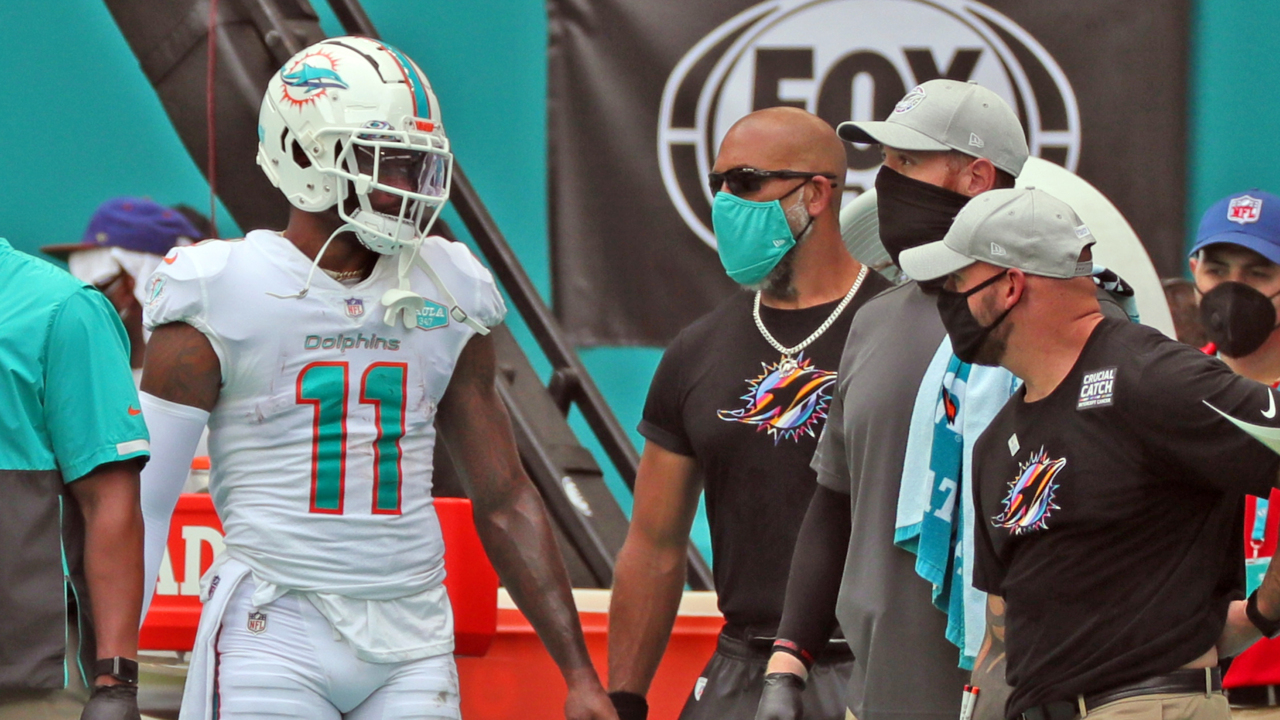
column 49, row 704
column 732, row 681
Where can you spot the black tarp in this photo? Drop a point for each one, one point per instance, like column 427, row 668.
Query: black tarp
column 631, row 268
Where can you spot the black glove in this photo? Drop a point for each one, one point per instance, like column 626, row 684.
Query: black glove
column 112, row 702
column 630, row 706
column 781, row 697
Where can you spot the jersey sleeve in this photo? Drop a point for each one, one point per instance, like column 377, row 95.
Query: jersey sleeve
column 90, row 403
column 175, row 292
column 485, row 303
column 830, row 460
column 662, row 422
column 178, row 291
column 1180, row 394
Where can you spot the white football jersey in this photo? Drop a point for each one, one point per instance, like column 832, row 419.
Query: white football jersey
column 322, row 437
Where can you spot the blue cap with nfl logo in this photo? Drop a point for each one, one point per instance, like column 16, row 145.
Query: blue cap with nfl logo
column 1249, row 219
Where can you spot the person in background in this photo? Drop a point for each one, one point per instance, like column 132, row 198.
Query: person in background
column 944, row 143
column 1108, row 488
column 1236, row 265
column 72, row 443
column 125, row 241
column 736, row 406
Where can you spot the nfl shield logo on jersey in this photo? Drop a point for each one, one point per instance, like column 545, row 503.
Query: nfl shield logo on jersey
column 355, row 307
column 432, row 315
column 1244, row 209
column 257, row 623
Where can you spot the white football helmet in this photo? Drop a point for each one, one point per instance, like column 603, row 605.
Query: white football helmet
column 353, row 116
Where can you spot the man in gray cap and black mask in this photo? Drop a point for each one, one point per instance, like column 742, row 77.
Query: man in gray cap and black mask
column 944, row 143
column 1108, row 489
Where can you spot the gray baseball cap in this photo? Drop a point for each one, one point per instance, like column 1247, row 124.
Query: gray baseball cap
column 1021, row 228
column 949, row 115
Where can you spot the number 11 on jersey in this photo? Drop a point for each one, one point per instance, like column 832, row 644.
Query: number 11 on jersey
column 325, row 386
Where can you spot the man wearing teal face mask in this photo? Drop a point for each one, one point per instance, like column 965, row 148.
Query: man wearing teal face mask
column 739, row 400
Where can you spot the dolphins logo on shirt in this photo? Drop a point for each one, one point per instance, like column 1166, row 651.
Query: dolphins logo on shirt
column 1030, row 498
column 786, row 401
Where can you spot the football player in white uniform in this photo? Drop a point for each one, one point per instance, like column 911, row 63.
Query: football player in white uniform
column 320, row 390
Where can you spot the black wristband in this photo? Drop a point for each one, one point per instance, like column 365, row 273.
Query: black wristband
column 795, row 651
column 629, row 705
column 1269, row 628
column 120, row 668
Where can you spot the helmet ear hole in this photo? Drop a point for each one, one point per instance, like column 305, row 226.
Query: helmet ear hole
column 300, row 156
column 284, row 140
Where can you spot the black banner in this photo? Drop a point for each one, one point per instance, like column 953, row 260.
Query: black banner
column 642, row 91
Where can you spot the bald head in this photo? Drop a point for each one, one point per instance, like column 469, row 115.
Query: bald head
column 818, row 267
column 783, row 138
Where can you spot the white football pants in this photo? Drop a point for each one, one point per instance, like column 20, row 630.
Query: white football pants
column 295, row 667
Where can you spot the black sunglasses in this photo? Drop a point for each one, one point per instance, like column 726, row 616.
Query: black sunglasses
column 748, row 179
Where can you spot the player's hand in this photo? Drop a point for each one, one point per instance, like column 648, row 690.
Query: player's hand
column 781, row 697
column 587, row 699
column 112, row 702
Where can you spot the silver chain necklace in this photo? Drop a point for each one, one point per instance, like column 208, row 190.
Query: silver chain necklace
column 789, row 364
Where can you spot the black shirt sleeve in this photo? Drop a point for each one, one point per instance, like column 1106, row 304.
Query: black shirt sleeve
column 817, row 567
column 988, row 572
column 1179, row 396
column 663, row 420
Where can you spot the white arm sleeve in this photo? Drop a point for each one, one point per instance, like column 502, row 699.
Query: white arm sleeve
column 175, row 431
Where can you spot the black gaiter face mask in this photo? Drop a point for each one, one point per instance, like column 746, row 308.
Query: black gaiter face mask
column 912, row 212
column 1237, row 318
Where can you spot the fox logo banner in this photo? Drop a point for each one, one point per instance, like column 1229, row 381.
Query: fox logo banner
column 641, row 93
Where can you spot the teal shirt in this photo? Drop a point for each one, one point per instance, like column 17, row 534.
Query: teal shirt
column 67, row 398
column 67, row 405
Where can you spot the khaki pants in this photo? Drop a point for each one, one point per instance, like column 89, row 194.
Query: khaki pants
column 1171, row 706
column 1262, row 713
column 1194, row 706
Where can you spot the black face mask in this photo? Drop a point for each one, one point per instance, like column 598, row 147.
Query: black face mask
column 1237, row 318
column 966, row 333
column 911, row 212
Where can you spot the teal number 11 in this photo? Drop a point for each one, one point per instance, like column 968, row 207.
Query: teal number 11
column 324, row 386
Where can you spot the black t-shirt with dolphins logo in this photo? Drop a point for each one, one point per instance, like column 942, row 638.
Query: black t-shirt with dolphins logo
column 721, row 396
column 1110, row 513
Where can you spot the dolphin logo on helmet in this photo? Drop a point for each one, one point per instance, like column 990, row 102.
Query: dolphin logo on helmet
column 313, row 78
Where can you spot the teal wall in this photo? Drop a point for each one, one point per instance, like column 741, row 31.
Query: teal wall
column 80, row 124
column 1235, row 102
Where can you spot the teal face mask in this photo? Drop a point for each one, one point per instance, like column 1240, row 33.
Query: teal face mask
column 751, row 237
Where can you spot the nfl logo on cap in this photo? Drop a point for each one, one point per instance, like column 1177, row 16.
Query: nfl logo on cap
column 1244, row 209
column 355, row 307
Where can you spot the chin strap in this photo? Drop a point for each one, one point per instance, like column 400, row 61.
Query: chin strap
column 403, row 300
column 314, row 264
